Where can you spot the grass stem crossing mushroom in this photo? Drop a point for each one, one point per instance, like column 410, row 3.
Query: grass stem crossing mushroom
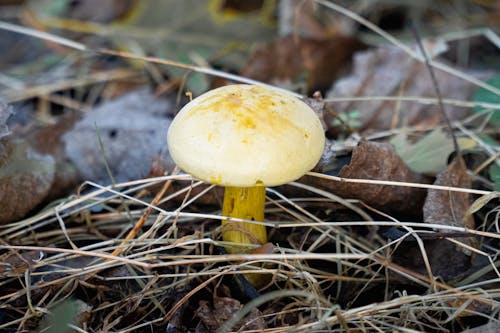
column 245, row 137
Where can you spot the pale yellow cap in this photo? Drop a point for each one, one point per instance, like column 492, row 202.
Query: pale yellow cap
column 246, row 135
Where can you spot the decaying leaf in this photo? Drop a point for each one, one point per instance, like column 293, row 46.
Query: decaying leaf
column 15, row 263
column 289, row 58
column 430, row 154
column 389, row 71
column 449, row 207
column 48, row 140
column 308, row 19
column 25, row 178
column 373, row 160
column 447, row 260
column 213, row 317
column 133, row 133
column 25, row 175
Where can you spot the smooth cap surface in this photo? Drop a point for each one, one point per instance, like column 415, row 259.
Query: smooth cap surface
column 246, row 135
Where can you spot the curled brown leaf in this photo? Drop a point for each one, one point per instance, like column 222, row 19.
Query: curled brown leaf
column 449, row 207
column 374, row 160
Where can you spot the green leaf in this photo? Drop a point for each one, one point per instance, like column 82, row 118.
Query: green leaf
column 430, row 154
column 495, row 176
column 49, row 7
column 485, row 96
column 351, row 119
column 62, row 315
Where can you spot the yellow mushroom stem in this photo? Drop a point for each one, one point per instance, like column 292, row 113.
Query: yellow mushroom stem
column 244, row 203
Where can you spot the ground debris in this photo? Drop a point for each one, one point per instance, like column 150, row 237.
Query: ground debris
column 223, row 308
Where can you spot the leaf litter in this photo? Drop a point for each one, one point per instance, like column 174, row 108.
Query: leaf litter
column 388, row 71
column 347, row 254
column 25, row 175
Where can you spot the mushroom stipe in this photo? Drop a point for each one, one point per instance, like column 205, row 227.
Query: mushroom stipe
column 245, row 203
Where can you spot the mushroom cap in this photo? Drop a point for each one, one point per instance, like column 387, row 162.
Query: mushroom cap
column 246, row 135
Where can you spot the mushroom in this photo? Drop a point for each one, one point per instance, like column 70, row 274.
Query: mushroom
column 245, row 137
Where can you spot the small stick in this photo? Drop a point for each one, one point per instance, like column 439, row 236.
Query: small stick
column 140, row 223
column 436, row 86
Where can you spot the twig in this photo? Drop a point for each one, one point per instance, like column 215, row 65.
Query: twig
column 413, row 29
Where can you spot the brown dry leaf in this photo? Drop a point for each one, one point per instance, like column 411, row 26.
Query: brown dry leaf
column 26, row 174
column 25, row 179
column 288, row 58
column 374, row 160
column 12, row 264
column 447, row 207
column 223, row 309
column 389, row 71
column 48, row 140
column 447, row 260
column 306, row 18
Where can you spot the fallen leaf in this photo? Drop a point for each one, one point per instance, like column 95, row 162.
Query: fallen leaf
column 133, row 133
column 25, row 175
column 12, row 264
column 429, row 155
column 449, row 207
column 48, row 140
column 25, row 179
column 447, row 260
column 306, row 18
column 213, row 317
column 289, row 58
column 389, row 71
column 374, row 160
